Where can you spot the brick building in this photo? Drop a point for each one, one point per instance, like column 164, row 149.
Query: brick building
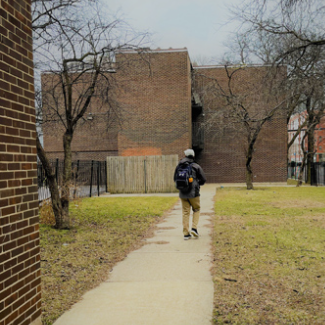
column 164, row 108
column 320, row 142
column 223, row 154
column 20, row 278
column 155, row 100
column 295, row 152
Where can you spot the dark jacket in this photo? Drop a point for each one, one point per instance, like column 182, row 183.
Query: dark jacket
column 198, row 179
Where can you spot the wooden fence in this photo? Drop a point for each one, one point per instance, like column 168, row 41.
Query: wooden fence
column 142, row 174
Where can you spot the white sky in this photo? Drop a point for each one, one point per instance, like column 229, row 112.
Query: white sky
column 199, row 25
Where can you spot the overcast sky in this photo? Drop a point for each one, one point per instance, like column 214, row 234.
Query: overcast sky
column 198, row 25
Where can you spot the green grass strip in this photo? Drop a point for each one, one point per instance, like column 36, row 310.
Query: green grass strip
column 269, row 256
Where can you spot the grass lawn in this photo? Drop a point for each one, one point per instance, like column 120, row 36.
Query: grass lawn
column 292, row 181
column 103, row 231
column 269, row 256
column 295, row 181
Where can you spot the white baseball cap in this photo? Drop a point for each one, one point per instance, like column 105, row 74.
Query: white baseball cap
column 189, row 152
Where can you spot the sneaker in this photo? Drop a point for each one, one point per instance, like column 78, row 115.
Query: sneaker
column 186, row 237
column 194, row 233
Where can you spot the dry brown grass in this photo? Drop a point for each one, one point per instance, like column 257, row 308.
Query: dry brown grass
column 269, row 257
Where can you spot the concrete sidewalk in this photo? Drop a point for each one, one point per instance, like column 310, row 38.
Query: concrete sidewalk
column 166, row 282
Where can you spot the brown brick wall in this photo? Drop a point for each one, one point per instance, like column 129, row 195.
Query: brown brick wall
column 20, row 282
column 151, row 115
column 155, row 100
column 223, row 157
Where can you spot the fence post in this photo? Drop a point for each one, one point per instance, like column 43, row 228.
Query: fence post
column 91, row 176
column 75, row 180
column 77, row 169
column 145, row 174
column 98, row 176
column 106, row 176
column 108, row 168
column 56, row 169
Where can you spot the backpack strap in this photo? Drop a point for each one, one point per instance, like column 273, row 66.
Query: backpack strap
column 185, row 163
column 190, row 166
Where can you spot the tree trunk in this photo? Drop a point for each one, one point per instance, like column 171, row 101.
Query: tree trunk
column 249, row 178
column 310, row 134
column 303, row 164
column 301, row 173
column 249, row 171
column 53, row 185
column 67, row 173
column 249, row 156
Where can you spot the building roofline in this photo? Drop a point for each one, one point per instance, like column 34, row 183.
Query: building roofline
column 233, row 66
column 157, row 50
column 149, row 50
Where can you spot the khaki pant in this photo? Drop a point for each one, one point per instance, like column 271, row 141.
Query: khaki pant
column 186, row 208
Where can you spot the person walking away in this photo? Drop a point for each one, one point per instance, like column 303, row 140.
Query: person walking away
column 189, row 176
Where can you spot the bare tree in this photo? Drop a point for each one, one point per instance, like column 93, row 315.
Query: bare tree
column 297, row 23
column 245, row 106
column 314, row 112
column 78, row 56
column 47, row 15
column 295, row 31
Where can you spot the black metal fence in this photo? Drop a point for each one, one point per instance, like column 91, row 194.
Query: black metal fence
column 317, row 173
column 89, row 178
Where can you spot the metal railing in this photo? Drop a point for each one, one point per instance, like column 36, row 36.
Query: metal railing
column 317, row 173
column 88, row 178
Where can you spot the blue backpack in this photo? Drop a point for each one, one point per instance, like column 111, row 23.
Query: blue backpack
column 184, row 177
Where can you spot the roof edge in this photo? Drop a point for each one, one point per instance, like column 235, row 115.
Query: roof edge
column 158, row 50
column 234, row 66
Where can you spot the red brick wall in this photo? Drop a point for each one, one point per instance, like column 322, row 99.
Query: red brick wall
column 320, row 141
column 155, row 100
column 223, row 157
column 20, row 290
